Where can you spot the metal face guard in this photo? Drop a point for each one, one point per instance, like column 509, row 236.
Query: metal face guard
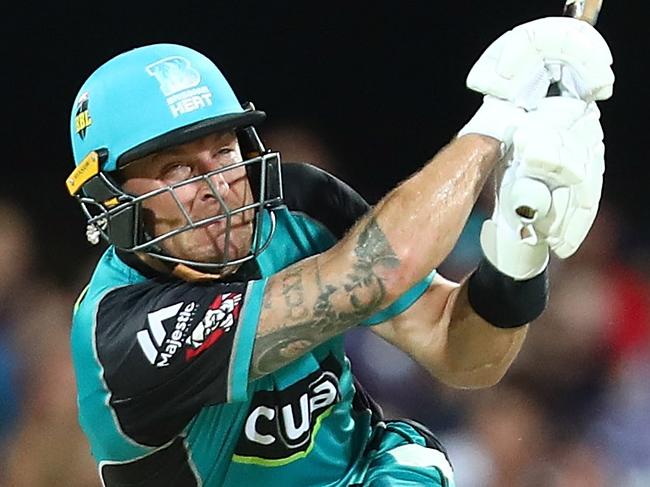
column 117, row 216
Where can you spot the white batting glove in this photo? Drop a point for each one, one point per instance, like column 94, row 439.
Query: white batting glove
column 558, row 162
column 506, row 243
column 570, row 161
column 521, row 64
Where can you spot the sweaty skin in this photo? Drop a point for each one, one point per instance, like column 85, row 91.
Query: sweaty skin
column 383, row 256
column 406, row 235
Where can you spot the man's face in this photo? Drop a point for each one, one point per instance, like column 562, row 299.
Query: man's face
column 179, row 163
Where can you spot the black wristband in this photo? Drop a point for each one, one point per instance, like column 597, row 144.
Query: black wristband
column 503, row 301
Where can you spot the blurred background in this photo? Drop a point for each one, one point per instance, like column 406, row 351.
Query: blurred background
column 369, row 91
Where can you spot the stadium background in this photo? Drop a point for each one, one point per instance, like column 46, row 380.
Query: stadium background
column 370, row 91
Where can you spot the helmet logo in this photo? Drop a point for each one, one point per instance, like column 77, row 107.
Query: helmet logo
column 178, row 81
column 174, row 74
column 82, row 118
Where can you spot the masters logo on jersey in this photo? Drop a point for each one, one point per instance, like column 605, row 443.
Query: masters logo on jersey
column 179, row 83
column 218, row 320
column 82, row 118
column 282, row 425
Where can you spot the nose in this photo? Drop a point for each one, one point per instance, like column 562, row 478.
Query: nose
column 215, row 187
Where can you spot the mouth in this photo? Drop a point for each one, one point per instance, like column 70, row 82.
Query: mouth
column 221, row 226
column 218, row 231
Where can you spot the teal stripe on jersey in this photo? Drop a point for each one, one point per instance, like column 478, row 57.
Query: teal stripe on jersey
column 403, row 459
column 244, row 341
column 95, row 416
column 404, row 302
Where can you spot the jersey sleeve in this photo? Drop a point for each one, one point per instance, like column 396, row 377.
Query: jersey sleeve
column 167, row 349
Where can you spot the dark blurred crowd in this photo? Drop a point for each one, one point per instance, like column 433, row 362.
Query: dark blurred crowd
column 573, row 411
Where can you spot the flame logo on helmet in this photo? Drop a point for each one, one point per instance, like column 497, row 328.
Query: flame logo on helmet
column 174, row 74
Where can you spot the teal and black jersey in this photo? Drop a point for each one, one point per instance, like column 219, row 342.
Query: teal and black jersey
column 162, row 367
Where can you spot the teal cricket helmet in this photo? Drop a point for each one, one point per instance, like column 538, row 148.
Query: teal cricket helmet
column 146, row 100
column 151, row 97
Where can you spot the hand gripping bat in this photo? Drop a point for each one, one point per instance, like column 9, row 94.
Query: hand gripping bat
column 535, row 195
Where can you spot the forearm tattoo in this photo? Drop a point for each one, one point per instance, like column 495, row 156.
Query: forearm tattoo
column 340, row 304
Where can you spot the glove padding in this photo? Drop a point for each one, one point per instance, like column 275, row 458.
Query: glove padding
column 570, row 161
column 521, row 64
column 558, row 163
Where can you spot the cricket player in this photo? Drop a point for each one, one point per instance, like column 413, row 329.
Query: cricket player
column 208, row 345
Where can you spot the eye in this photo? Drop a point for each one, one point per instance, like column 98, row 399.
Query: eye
column 176, row 172
column 226, row 150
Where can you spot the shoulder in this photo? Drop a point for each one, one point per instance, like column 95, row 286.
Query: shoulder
column 157, row 313
column 112, row 313
column 322, row 196
column 155, row 341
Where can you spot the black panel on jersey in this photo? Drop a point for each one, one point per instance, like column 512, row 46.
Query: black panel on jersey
column 322, row 196
column 168, row 467
column 165, row 348
column 305, row 401
column 363, row 402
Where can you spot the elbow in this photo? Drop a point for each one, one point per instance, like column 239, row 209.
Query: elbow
column 482, row 378
column 410, row 270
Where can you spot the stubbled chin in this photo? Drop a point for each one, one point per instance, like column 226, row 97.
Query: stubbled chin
column 207, row 244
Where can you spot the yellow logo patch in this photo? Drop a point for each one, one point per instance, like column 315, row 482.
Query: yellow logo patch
column 88, row 168
column 82, row 121
column 82, row 118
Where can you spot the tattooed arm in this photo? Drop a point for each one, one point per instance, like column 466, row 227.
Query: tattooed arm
column 308, row 303
column 408, row 233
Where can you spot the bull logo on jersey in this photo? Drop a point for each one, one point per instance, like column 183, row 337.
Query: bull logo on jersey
column 219, row 319
column 282, row 425
column 82, row 118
